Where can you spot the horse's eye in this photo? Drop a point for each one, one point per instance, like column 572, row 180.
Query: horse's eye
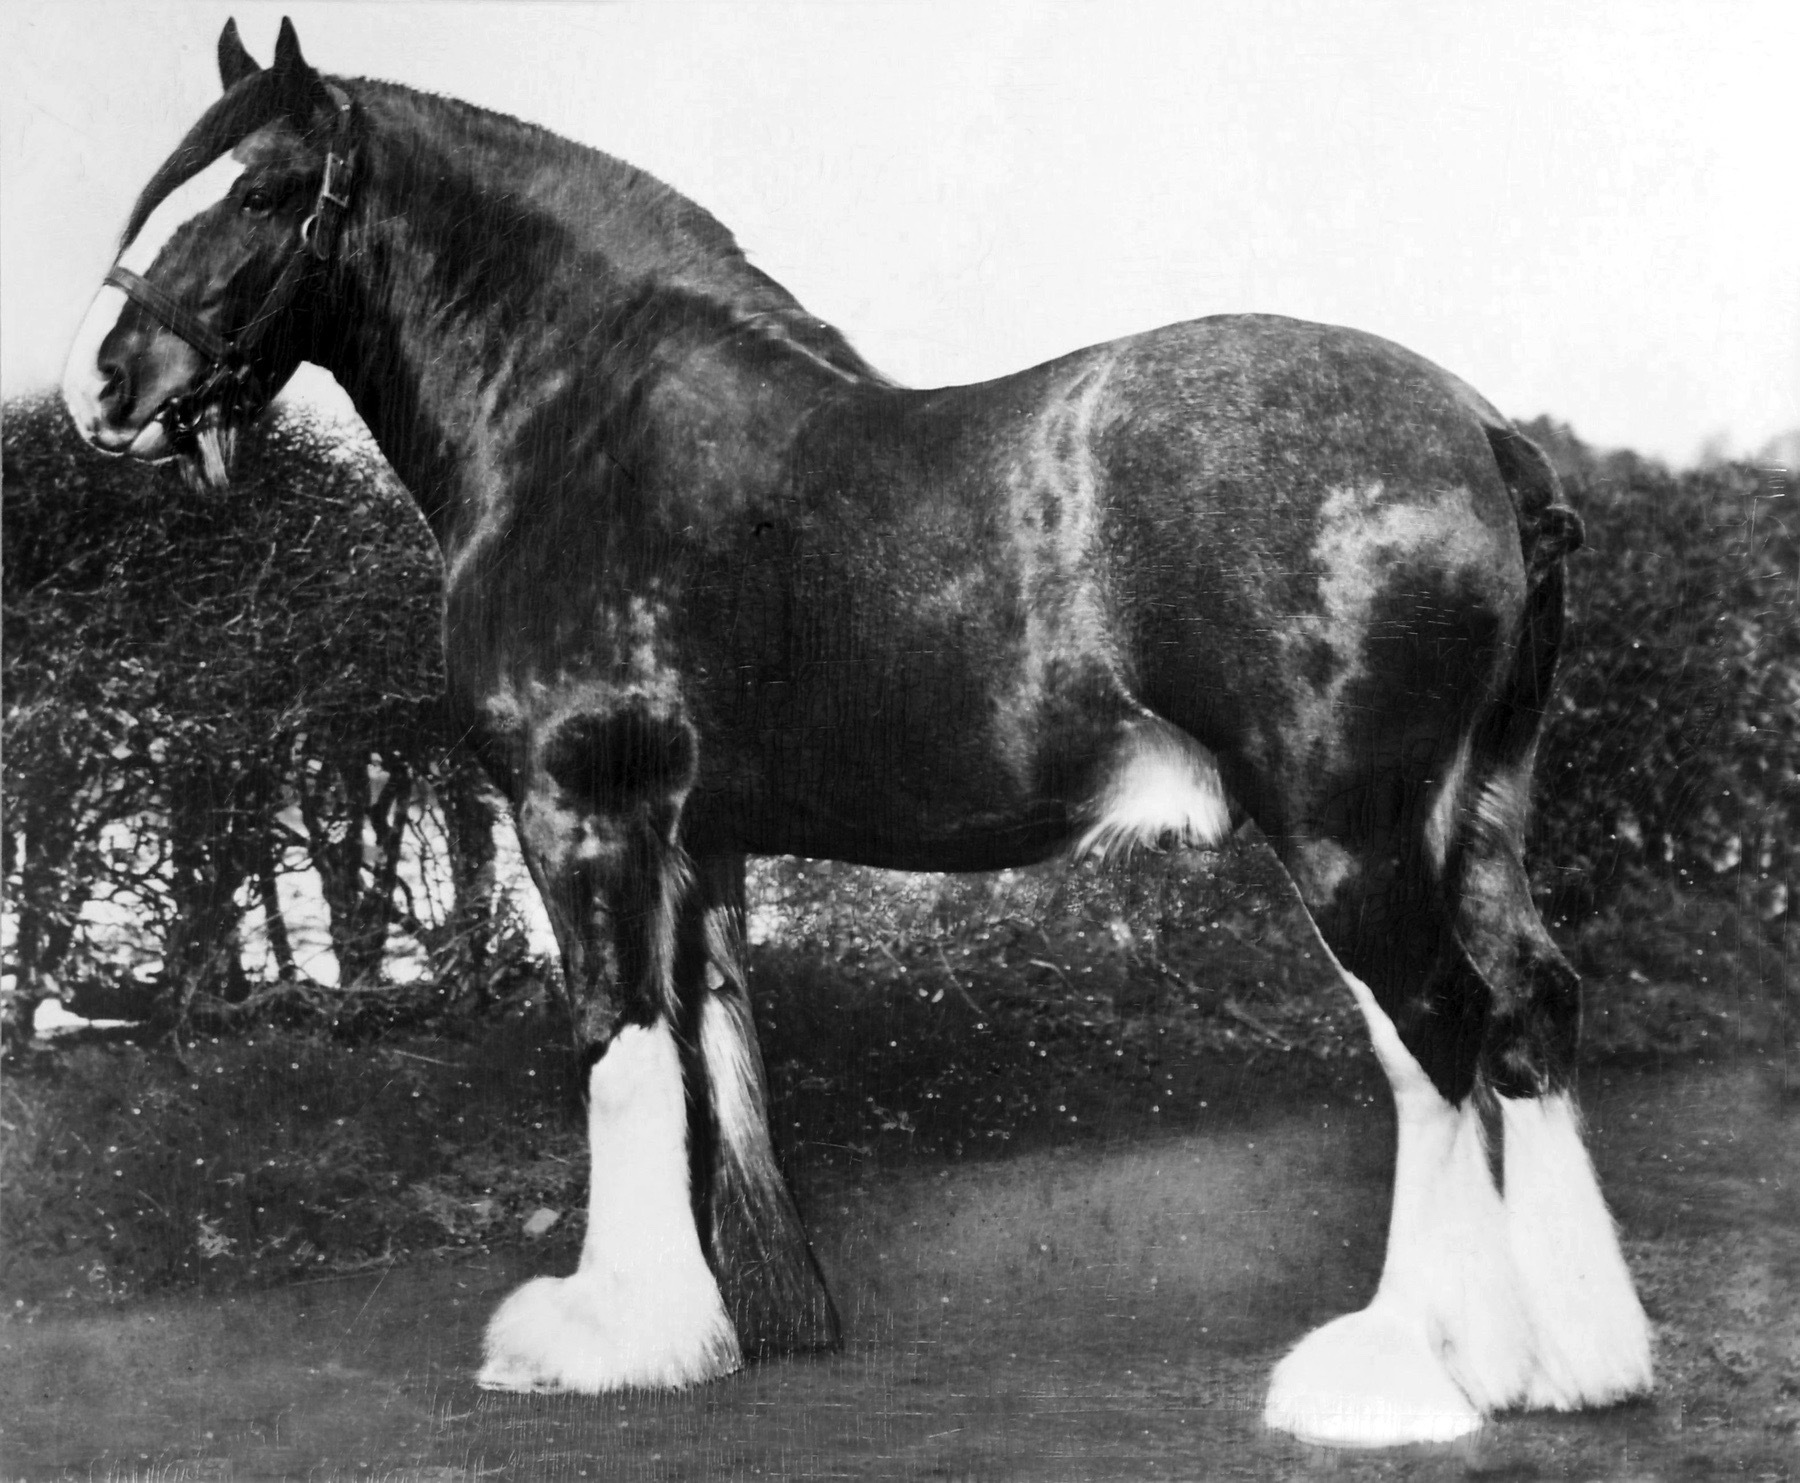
column 258, row 202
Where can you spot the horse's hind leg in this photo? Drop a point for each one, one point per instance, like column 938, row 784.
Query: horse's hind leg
column 1446, row 1339
column 1486, row 1300
column 642, row 1308
column 1590, row 1339
column 752, row 1233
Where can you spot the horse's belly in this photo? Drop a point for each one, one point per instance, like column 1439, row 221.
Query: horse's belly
column 903, row 841
column 889, row 797
column 937, row 802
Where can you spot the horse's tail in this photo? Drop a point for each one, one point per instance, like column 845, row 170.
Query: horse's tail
column 1548, row 531
column 1533, row 996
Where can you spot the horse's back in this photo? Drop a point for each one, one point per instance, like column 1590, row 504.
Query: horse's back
column 1255, row 423
column 1239, row 435
column 1266, row 369
column 1282, row 518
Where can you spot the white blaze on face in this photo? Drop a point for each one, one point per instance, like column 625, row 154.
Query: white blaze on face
column 82, row 380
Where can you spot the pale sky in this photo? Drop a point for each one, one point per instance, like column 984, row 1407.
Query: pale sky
column 1590, row 210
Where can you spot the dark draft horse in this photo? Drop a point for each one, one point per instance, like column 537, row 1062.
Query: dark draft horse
column 716, row 587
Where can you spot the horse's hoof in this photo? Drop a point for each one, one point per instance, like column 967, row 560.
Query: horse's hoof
column 588, row 1335
column 1369, row 1379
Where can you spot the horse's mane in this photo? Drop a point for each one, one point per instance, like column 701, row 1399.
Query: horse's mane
column 695, row 257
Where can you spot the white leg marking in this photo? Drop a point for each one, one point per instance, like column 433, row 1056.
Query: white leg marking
column 642, row 1309
column 736, row 1090
column 1484, row 1303
column 1593, row 1340
column 1445, row 1339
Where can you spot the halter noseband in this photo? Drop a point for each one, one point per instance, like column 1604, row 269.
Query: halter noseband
column 230, row 373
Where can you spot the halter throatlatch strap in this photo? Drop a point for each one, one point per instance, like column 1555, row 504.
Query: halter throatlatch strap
column 230, row 372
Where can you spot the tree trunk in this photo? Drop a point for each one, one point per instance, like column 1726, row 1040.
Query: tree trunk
column 356, row 844
column 202, row 951
column 469, row 831
column 44, row 923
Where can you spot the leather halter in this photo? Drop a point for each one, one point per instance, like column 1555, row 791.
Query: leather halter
column 230, row 373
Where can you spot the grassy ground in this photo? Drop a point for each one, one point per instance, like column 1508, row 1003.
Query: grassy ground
column 998, row 1017
column 1084, row 1309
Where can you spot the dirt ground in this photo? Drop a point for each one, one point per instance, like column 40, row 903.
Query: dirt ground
column 1101, row 1303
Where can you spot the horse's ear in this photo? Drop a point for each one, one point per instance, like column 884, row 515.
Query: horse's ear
column 288, row 60
column 303, row 88
column 235, row 63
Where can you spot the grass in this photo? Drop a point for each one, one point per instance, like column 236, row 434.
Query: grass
column 995, row 1016
column 283, row 1155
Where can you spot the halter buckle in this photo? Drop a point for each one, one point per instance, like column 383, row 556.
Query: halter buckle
column 329, row 190
column 334, row 196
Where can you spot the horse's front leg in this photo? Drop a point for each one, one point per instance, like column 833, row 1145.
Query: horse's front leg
column 751, row 1230
column 642, row 1309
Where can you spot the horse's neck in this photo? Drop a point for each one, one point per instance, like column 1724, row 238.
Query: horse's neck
column 467, row 308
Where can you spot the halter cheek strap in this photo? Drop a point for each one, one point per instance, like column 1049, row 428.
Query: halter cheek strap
column 230, row 372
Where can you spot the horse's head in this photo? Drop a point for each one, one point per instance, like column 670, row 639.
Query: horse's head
column 208, row 308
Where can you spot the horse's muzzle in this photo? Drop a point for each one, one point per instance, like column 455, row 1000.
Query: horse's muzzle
column 117, row 394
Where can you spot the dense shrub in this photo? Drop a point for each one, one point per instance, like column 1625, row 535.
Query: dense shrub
column 1673, row 747
column 203, row 691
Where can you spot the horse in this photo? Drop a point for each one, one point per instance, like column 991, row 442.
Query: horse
column 716, row 587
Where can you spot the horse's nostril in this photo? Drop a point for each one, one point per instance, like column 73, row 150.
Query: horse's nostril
column 115, row 388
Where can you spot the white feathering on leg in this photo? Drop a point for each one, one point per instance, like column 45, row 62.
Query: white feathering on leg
column 1446, row 1338
column 642, row 1309
column 1593, row 1341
